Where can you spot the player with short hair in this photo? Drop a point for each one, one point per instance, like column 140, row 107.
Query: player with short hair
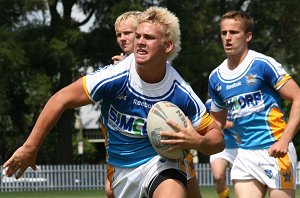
column 127, row 91
column 125, row 27
column 249, row 84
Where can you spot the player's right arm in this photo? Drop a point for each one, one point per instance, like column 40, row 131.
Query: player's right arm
column 71, row 96
column 220, row 117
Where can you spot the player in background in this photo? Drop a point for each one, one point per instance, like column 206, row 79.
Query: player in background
column 220, row 161
column 125, row 27
column 250, row 86
column 128, row 90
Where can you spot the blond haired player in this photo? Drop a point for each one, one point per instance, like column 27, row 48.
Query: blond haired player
column 127, row 91
column 125, row 27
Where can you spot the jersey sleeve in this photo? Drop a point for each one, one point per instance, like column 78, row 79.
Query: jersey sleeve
column 275, row 74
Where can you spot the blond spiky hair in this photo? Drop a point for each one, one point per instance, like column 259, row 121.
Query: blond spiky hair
column 170, row 26
column 128, row 15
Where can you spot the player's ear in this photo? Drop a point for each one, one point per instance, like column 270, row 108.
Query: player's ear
column 168, row 46
column 249, row 36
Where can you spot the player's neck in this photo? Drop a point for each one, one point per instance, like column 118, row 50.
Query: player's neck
column 151, row 74
column 235, row 60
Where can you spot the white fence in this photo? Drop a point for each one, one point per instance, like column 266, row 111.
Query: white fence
column 83, row 177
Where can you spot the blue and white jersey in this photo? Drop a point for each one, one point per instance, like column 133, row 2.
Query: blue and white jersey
column 230, row 136
column 126, row 101
column 249, row 92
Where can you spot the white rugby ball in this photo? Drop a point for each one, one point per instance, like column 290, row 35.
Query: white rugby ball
column 156, row 122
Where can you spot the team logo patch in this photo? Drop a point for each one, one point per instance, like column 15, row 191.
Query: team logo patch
column 218, row 88
column 251, row 79
column 122, row 96
column 269, row 173
column 287, row 176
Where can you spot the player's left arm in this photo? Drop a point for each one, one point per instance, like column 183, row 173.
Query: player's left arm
column 289, row 91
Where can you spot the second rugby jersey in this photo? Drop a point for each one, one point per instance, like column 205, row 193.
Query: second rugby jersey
column 249, row 92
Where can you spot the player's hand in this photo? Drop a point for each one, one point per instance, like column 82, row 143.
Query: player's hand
column 118, row 58
column 19, row 162
column 186, row 138
column 279, row 149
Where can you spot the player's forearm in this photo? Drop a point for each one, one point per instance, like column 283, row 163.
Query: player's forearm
column 293, row 122
column 45, row 122
column 212, row 142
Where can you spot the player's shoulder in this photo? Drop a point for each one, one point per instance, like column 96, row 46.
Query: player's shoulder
column 173, row 74
column 257, row 56
column 218, row 68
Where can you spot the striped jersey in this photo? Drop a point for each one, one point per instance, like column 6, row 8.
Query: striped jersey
column 249, row 92
column 126, row 100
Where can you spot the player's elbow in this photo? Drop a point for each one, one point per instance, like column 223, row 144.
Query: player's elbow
column 219, row 144
column 213, row 142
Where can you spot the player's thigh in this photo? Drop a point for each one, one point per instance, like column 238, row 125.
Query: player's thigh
column 249, row 189
column 279, row 193
column 170, row 188
column 193, row 190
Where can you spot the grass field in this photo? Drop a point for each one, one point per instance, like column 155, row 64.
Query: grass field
column 207, row 192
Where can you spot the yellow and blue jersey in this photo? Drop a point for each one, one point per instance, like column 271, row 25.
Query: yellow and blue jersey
column 126, row 101
column 249, row 92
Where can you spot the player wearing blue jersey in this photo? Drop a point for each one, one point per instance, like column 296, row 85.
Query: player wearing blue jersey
column 220, row 161
column 248, row 85
column 128, row 90
column 125, row 27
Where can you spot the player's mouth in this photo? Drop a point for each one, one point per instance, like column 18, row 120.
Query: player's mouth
column 141, row 52
column 228, row 46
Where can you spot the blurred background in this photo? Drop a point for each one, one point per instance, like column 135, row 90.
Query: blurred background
column 47, row 44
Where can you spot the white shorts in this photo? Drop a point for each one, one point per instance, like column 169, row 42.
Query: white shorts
column 228, row 154
column 135, row 182
column 276, row 173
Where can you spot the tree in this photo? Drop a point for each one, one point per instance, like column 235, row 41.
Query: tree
column 41, row 53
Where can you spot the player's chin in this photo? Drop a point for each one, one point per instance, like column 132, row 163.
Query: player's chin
column 141, row 60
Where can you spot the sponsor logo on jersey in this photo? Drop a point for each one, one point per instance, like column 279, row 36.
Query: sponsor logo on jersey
column 234, row 85
column 245, row 104
column 265, row 164
column 142, row 103
column 251, row 79
column 125, row 123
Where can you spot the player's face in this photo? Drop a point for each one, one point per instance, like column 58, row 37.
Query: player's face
column 149, row 44
column 234, row 39
column 125, row 34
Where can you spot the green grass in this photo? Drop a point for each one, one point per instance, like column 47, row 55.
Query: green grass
column 207, row 192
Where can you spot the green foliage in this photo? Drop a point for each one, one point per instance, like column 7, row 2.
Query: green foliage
column 89, row 152
column 38, row 58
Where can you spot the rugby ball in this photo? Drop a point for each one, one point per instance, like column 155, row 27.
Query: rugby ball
column 156, row 122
